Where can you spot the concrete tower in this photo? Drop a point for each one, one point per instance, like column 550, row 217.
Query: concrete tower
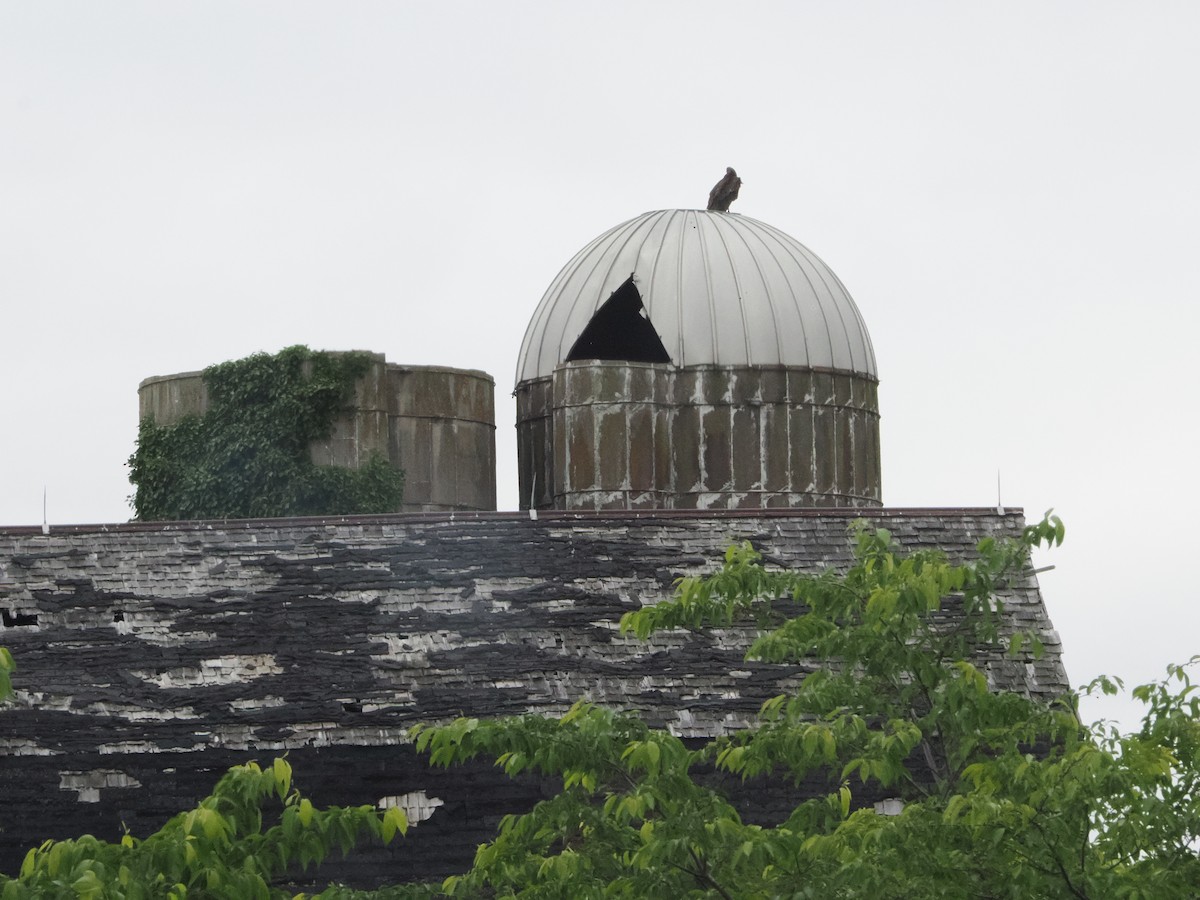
column 689, row 359
column 436, row 423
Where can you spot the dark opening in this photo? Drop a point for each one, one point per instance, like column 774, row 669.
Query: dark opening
column 14, row 619
column 620, row 330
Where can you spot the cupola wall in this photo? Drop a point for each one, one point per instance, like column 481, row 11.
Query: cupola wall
column 614, row 435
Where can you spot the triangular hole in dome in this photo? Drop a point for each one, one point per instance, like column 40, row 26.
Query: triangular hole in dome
column 620, row 330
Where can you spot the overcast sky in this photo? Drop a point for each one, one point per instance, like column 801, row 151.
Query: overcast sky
column 1010, row 191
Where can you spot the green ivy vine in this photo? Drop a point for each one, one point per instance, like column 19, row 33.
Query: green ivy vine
column 248, row 456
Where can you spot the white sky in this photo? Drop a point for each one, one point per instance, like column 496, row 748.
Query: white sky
column 1010, row 191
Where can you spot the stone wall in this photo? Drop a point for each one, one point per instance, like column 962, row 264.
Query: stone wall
column 152, row 657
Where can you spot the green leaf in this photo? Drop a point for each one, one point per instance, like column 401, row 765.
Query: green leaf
column 283, row 776
column 394, row 820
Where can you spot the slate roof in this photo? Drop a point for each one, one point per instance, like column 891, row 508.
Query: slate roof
column 152, row 655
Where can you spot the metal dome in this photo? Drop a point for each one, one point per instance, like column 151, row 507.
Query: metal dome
column 718, row 288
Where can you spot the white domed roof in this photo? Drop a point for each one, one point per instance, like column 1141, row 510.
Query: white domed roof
column 718, row 288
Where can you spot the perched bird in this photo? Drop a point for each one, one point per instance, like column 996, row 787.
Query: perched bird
column 724, row 191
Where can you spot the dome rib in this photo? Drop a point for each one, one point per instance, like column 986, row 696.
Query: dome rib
column 713, row 325
column 538, row 330
column 768, row 250
column 632, row 226
column 740, row 234
column 827, row 275
column 719, row 288
column 801, row 261
column 647, row 289
column 737, row 288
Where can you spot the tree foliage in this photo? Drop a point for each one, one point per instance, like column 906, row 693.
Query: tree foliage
column 7, row 667
column 219, row 849
column 1001, row 795
column 248, row 456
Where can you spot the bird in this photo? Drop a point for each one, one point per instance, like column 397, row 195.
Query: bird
column 724, row 191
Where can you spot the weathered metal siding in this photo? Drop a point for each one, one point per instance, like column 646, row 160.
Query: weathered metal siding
column 154, row 656
column 612, row 439
column 620, row 435
column 535, row 444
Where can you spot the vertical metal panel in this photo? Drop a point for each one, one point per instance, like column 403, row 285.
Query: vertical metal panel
column 642, row 435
